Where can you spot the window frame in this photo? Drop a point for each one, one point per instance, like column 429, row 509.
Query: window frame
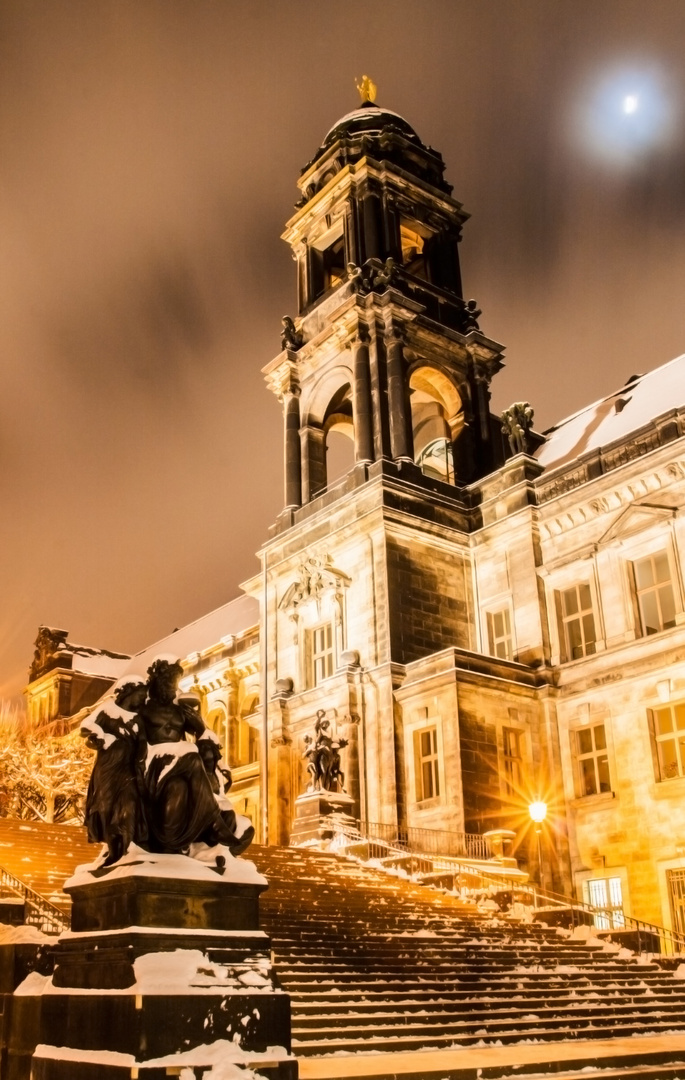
column 490, row 613
column 314, row 657
column 432, row 759
column 593, row 755
column 658, row 738
column 512, row 765
column 564, row 620
column 639, row 592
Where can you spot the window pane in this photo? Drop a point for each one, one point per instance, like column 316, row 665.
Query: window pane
column 425, row 743
column 667, row 601
column 651, row 624
column 603, row 773
column 499, row 624
column 575, row 639
column 589, row 630
column 644, row 575
column 661, row 567
column 589, row 779
column 570, row 601
column 615, row 894
column 427, row 776
column 585, row 603
column 679, row 711
column 664, row 721
column 585, row 741
column 668, row 759
column 600, row 737
column 598, row 892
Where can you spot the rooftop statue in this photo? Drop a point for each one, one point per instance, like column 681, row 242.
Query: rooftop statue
column 151, row 785
column 517, row 421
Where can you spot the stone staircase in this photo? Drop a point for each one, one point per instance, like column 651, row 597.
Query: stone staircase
column 377, row 965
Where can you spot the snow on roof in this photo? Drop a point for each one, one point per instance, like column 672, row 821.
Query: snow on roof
column 643, row 398
column 230, row 619
column 99, row 663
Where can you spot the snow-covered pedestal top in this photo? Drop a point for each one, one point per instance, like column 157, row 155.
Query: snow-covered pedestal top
column 200, row 865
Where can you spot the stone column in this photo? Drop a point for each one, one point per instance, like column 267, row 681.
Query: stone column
column 361, row 404
column 400, row 430
column 293, row 466
column 313, row 450
column 231, row 747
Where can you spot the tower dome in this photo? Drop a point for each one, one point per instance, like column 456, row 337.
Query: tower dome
column 368, row 120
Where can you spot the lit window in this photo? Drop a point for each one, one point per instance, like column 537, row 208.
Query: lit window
column 499, row 634
column 513, row 760
column 668, row 725
column 426, row 764
column 593, row 761
column 654, row 593
column 321, row 638
column 605, row 894
column 676, row 894
column 577, row 622
column 413, row 237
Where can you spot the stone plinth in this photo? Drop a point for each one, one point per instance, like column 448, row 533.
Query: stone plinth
column 165, row 969
column 316, row 815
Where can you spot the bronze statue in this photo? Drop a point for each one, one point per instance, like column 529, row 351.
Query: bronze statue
column 291, row 338
column 152, row 785
column 517, row 421
column 115, row 812
column 323, row 752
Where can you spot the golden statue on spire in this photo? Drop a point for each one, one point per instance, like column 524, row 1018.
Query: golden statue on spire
column 367, row 89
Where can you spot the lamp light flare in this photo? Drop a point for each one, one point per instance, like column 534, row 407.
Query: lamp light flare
column 538, row 811
column 630, row 104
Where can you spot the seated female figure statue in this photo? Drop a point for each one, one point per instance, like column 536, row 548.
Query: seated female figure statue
column 181, row 806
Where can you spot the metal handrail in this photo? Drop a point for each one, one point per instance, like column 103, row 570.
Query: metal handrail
column 39, row 911
column 431, row 842
column 670, row 942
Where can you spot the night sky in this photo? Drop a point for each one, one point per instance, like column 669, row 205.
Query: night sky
column 148, row 159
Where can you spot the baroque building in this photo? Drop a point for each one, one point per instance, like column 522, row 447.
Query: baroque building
column 488, row 616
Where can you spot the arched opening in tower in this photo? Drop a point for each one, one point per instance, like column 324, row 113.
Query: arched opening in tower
column 437, row 422
column 339, row 435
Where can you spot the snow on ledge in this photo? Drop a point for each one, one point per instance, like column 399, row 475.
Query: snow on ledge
column 221, row 1053
column 200, row 867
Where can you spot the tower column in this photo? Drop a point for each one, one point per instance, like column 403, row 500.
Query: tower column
column 400, row 431
column 361, row 401
column 313, row 442
column 293, row 464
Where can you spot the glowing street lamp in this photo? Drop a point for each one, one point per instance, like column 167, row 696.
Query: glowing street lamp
column 538, row 813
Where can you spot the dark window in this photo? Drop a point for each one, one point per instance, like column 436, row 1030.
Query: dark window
column 593, row 761
column 654, row 590
column 426, row 764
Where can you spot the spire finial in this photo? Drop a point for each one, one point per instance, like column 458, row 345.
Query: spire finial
column 367, row 89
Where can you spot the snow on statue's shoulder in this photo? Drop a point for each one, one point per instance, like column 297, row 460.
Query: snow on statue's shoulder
column 201, row 865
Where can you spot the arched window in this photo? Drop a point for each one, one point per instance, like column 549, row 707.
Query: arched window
column 339, row 435
column 437, row 421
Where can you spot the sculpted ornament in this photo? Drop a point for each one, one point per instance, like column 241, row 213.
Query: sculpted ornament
column 151, row 784
column 322, row 752
column 517, row 421
column 315, row 577
column 291, row 338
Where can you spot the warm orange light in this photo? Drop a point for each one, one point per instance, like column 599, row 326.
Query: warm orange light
column 538, row 811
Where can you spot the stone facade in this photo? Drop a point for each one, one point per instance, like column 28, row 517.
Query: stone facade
column 488, row 617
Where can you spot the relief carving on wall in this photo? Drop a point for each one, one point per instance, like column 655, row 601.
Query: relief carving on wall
column 316, row 578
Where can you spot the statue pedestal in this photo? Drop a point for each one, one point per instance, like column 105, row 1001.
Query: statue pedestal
column 165, row 969
column 316, row 815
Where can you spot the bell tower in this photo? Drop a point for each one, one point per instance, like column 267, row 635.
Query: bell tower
column 367, row 574
column 384, row 345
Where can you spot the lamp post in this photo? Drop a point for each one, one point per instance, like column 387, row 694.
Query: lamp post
column 538, row 813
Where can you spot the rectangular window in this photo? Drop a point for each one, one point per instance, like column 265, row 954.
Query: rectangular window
column 668, row 727
column 676, row 895
column 499, row 634
column 593, row 761
column 577, row 629
column 606, row 896
column 513, row 760
column 654, row 590
column 426, row 764
column 321, row 643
